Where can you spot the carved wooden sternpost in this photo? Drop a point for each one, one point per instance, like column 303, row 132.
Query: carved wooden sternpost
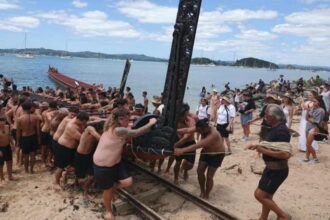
column 160, row 140
column 124, row 78
column 179, row 61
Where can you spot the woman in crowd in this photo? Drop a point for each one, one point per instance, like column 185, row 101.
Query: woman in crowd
column 246, row 108
column 225, row 120
column 305, row 106
column 288, row 109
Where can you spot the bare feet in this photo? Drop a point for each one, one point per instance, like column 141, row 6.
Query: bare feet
column 202, row 195
column 88, row 196
column 108, row 216
column 176, row 181
column 12, row 179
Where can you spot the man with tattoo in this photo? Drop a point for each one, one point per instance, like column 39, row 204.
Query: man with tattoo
column 109, row 170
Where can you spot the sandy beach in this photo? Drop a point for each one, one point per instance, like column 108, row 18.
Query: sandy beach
column 305, row 194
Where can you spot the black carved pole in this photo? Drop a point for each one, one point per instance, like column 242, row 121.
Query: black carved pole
column 124, row 78
column 179, row 61
column 161, row 139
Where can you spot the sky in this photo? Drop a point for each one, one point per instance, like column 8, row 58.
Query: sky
column 281, row 31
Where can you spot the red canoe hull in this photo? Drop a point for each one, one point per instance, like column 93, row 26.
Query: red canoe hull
column 66, row 81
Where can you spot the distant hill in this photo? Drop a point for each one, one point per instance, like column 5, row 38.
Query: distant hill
column 256, row 63
column 207, row 61
column 83, row 54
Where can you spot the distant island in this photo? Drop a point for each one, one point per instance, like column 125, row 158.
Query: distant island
column 255, row 63
column 245, row 62
column 82, row 54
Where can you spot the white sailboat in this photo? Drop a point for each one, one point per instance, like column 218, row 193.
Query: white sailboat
column 66, row 50
column 24, row 54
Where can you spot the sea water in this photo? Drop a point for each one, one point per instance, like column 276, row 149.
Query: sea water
column 143, row 76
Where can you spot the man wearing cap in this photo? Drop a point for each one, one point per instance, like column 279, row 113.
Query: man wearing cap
column 225, row 119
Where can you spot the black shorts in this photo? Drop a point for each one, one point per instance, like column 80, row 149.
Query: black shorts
column 222, row 130
column 64, row 156
column 214, row 160
column 83, row 164
column 272, row 179
column 191, row 155
column 7, row 154
column 13, row 133
column 106, row 177
column 45, row 138
column 29, row 144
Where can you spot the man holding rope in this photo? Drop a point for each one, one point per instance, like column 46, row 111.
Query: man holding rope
column 211, row 156
column 276, row 151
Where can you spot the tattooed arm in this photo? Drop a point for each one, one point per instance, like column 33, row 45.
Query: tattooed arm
column 125, row 132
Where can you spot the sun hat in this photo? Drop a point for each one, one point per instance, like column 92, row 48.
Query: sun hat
column 288, row 95
column 214, row 90
column 156, row 100
column 226, row 98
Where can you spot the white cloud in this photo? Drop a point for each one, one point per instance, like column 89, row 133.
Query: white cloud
column 255, row 35
column 91, row 23
column 313, row 1
column 314, row 26
column 19, row 23
column 5, row 5
column 147, row 12
column 79, row 4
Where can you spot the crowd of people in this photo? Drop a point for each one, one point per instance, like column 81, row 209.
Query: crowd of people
column 85, row 132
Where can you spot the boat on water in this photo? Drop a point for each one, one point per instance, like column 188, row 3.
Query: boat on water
column 25, row 55
column 67, row 81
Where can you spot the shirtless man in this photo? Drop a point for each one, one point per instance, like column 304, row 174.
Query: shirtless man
column 83, row 159
column 68, row 142
column 28, row 135
column 5, row 150
column 185, row 121
column 45, row 136
column 211, row 156
column 73, row 111
column 12, row 115
column 109, row 170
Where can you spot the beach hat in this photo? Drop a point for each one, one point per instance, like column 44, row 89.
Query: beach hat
column 272, row 96
column 226, row 98
column 288, row 95
column 214, row 90
column 156, row 100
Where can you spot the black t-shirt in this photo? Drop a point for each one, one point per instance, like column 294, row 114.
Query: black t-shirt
column 249, row 105
column 280, row 133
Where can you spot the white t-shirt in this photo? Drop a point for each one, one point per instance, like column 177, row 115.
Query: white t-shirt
column 222, row 114
column 203, row 111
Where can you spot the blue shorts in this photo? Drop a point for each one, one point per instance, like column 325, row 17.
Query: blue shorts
column 245, row 118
